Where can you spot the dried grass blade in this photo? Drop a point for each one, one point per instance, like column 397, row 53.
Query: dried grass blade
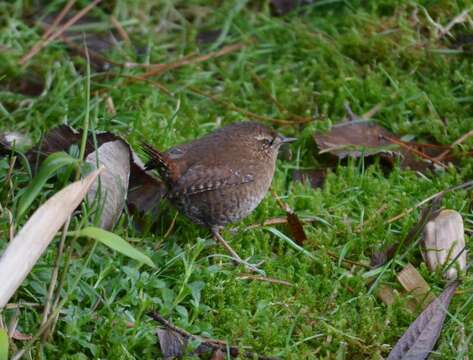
column 31, row 241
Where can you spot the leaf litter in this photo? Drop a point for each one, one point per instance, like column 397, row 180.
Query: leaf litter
column 143, row 191
column 420, row 338
column 174, row 341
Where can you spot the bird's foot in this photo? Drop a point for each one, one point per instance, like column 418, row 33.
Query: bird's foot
column 235, row 257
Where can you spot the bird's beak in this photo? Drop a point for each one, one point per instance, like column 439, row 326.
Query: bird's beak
column 283, row 139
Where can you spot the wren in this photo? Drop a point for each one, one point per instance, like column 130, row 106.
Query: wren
column 221, row 177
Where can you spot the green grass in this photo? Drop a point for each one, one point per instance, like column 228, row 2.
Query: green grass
column 359, row 52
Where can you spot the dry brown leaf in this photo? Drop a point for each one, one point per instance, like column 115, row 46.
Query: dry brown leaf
column 315, row 178
column 144, row 190
column 296, row 228
column 359, row 138
column 282, row 7
column 173, row 343
column 34, row 237
column 207, row 37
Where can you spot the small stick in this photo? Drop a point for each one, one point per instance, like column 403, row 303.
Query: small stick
column 280, row 107
column 264, row 278
column 173, row 222
column 213, row 344
column 41, row 44
column 57, row 20
column 120, row 29
column 432, row 197
column 455, row 143
column 161, row 68
column 379, row 211
column 413, row 150
column 248, row 113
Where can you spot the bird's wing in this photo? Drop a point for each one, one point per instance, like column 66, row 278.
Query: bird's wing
column 199, row 178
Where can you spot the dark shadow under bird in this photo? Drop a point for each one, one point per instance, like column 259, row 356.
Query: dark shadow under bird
column 221, row 177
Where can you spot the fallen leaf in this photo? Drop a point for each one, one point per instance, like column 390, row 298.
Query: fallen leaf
column 98, row 42
column 218, row 355
column 173, row 342
column 362, row 138
column 420, row 338
column 315, row 178
column 443, row 241
column 32, row 240
column 144, row 190
column 207, row 37
column 28, row 84
column 282, row 7
column 112, row 187
column 296, row 228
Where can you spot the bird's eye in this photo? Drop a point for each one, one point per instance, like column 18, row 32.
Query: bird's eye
column 267, row 142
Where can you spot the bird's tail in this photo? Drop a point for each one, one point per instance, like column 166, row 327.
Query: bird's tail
column 159, row 161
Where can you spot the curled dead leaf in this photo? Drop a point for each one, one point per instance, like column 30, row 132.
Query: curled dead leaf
column 112, row 187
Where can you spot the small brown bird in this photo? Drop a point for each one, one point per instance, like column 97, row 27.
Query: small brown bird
column 221, row 177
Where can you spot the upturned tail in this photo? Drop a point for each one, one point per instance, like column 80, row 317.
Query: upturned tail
column 159, row 161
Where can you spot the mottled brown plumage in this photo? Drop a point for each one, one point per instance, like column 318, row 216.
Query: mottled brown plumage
column 221, row 177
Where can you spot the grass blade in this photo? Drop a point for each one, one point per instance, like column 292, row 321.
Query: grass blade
column 290, row 242
column 34, row 237
column 116, row 243
column 49, row 167
column 3, row 344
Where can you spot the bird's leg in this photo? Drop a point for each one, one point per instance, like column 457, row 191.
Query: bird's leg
column 235, row 256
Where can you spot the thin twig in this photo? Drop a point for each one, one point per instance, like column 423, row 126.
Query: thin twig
column 159, row 69
column 120, row 29
column 426, row 200
column 48, row 31
column 280, row 107
column 246, row 112
column 57, row 20
column 42, row 44
column 379, row 211
column 173, row 222
column 413, row 150
column 460, row 140
column 264, row 278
